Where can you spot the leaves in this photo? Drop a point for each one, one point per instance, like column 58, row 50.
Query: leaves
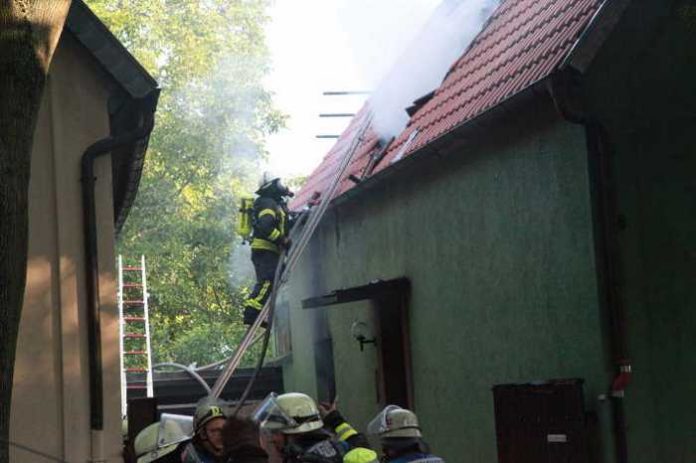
column 213, row 118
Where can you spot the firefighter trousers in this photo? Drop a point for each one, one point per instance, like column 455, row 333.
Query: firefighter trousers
column 265, row 264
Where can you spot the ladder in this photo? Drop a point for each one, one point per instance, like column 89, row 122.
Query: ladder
column 134, row 333
column 289, row 260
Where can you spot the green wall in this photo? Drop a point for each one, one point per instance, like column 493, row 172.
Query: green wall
column 647, row 103
column 496, row 238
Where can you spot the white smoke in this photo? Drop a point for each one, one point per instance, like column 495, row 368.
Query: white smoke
column 424, row 64
column 240, row 268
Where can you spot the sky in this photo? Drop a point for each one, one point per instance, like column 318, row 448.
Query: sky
column 330, row 45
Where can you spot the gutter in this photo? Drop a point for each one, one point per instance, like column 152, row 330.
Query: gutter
column 104, row 146
column 565, row 89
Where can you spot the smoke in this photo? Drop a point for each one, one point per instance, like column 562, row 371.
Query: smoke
column 240, row 268
column 424, row 64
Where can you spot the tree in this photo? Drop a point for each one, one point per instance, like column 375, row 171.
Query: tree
column 29, row 33
column 213, row 118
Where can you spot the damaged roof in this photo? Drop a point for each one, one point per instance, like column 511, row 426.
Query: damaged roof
column 522, row 43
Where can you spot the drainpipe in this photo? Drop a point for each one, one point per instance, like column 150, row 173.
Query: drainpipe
column 565, row 92
column 99, row 148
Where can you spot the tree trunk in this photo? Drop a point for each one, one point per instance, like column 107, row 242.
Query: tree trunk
column 29, row 33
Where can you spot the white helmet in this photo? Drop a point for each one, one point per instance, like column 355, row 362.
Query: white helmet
column 291, row 413
column 395, row 421
column 161, row 438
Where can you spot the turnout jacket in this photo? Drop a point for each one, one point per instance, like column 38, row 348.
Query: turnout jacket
column 271, row 224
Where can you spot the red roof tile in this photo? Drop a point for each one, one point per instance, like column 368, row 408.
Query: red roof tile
column 523, row 42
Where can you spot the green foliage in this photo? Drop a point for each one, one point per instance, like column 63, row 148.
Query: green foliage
column 214, row 115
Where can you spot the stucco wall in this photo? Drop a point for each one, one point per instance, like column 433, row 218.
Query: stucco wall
column 50, row 406
column 496, row 239
column 646, row 104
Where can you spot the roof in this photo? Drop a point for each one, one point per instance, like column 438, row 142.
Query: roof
column 138, row 92
column 523, row 43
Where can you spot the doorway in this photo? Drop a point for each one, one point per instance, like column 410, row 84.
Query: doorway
column 382, row 307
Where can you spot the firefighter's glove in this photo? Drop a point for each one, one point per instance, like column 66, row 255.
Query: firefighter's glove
column 241, row 439
column 286, row 243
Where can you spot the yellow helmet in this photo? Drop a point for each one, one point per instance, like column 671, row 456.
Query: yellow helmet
column 291, row 413
column 361, row 455
column 395, row 421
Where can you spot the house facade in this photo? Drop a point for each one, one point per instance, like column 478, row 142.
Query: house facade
column 98, row 105
column 517, row 266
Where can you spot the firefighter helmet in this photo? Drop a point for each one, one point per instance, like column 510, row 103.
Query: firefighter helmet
column 158, row 440
column 395, row 421
column 267, row 178
column 207, row 410
column 270, row 184
column 291, row 413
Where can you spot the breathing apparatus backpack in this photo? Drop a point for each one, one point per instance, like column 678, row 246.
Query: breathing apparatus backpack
column 245, row 219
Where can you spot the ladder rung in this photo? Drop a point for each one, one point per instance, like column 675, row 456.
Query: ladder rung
column 136, row 370
column 134, row 302
column 135, row 352
column 136, row 387
column 132, row 269
column 132, row 285
column 133, row 336
column 134, row 319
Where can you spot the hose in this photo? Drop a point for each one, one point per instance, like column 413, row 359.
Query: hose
column 188, row 370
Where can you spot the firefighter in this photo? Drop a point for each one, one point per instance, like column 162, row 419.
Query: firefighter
column 207, row 444
column 271, row 225
column 299, row 433
column 400, row 437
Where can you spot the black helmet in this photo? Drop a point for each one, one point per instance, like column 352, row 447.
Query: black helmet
column 270, row 185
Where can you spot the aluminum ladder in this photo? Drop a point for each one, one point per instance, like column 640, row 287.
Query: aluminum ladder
column 134, row 333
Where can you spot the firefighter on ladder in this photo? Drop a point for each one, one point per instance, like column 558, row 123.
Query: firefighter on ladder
column 271, row 225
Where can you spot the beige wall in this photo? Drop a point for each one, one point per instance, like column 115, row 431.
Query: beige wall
column 50, row 406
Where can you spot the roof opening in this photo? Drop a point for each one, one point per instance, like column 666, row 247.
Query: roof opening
column 419, row 103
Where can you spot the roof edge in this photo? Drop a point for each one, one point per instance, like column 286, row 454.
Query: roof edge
column 597, row 32
column 91, row 32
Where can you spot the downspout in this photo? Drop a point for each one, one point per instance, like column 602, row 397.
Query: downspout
column 104, row 146
column 564, row 89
